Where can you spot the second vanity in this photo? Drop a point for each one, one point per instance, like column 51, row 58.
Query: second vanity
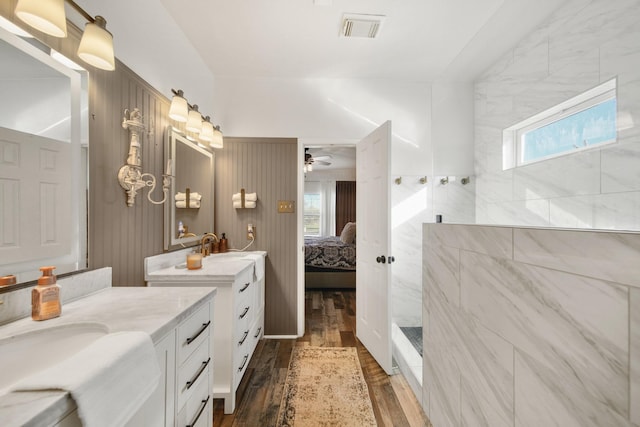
column 239, row 307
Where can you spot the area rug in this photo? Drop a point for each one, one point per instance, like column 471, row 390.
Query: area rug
column 325, row 387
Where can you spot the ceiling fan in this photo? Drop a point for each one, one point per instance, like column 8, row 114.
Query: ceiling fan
column 318, row 159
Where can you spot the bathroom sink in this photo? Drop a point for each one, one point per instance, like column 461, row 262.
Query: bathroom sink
column 24, row 354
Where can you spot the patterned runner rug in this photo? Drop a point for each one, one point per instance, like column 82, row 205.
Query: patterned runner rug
column 325, row 387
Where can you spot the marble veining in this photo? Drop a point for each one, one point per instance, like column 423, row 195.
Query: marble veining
column 528, row 343
column 582, row 252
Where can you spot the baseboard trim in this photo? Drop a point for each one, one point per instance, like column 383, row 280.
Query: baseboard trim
column 280, row 337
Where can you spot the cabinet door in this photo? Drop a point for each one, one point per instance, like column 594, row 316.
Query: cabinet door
column 152, row 413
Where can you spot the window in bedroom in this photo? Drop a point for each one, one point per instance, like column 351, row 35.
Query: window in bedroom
column 577, row 124
column 312, row 214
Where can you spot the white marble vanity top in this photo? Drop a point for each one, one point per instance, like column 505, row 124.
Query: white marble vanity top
column 155, row 311
column 170, row 267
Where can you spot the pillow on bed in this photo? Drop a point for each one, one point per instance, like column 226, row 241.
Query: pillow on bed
column 348, row 234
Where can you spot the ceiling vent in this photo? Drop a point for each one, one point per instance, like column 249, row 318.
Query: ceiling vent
column 361, row 25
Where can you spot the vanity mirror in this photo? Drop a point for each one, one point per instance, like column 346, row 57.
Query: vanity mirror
column 43, row 160
column 189, row 210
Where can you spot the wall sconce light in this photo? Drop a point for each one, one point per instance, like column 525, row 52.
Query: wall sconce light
column 181, row 111
column 130, row 176
column 194, row 120
column 48, row 16
column 207, row 130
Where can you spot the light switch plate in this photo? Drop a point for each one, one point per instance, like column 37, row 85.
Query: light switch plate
column 286, row 206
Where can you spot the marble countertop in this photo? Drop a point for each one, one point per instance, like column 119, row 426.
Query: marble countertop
column 155, row 311
column 215, row 268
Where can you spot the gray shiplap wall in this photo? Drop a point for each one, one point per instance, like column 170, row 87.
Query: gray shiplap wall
column 122, row 236
column 268, row 167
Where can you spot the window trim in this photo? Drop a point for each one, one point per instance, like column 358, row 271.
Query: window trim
column 512, row 140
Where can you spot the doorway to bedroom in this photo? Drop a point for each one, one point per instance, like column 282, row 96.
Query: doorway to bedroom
column 329, row 214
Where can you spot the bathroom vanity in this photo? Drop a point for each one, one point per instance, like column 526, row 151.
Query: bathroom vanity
column 179, row 322
column 238, row 313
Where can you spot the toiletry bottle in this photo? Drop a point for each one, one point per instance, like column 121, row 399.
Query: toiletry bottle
column 45, row 298
column 180, row 229
column 223, row 244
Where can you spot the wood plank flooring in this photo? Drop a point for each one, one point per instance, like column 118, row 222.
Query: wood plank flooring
column 330, row 322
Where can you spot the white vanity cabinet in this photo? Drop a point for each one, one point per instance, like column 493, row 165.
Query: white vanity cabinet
column 238, row 315
column 184, row 355
column 241, row 306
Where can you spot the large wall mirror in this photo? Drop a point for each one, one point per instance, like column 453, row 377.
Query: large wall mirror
column 189, row 210
column 43, row 160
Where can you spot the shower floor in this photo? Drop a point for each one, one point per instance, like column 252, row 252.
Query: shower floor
column 414, row 335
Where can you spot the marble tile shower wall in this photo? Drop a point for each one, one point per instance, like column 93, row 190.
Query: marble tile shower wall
column 586, row 42
column 531, row 327
column 413, row 204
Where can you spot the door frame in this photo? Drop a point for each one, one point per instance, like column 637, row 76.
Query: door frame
column 302, row 143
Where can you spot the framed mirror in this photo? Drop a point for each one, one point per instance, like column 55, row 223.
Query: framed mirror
column 43, row 160
column 189, row 209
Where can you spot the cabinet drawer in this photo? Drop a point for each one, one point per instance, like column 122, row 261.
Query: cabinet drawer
column 240, row 364
column 193, row 372
column 243, row 312
column 243, row 283
column 192, row 332
column 197, row 410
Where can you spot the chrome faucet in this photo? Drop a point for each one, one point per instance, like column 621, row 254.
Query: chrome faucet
column 204, row 249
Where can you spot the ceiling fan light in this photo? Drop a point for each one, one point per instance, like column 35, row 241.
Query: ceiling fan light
column 47, row 16
column 194, row 121
column 179, row 109
column 96, row 45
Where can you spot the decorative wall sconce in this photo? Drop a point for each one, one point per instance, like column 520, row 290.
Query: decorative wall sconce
column 48, row 16
column 130, row 176
column 183, row 112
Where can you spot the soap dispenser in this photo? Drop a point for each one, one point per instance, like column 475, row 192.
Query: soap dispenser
column 45, row 298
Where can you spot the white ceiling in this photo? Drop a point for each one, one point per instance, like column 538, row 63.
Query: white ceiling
column 420, row 40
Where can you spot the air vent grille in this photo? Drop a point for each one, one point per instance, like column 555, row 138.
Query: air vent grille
column 364, row 26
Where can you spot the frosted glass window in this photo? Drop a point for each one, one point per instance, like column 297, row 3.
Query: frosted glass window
column 578, row 124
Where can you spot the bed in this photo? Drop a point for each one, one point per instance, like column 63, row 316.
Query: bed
column 330, row 262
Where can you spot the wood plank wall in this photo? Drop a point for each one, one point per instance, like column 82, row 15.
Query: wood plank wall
column 122, row 236
column 268, row 167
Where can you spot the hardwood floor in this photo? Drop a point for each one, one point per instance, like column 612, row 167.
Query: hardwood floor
column 330, row 322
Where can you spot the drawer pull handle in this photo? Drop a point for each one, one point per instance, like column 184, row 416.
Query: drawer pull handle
column 204, row 327
column 244, row 362
column 194, row 379
column 244, row 337
column 204, row 405
column 258, row 333
column 244, row 313
column 246, row 285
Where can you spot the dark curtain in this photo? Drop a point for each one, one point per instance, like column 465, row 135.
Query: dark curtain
column 345, row 204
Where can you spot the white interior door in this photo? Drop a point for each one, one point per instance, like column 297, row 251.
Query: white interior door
column 373, row 274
